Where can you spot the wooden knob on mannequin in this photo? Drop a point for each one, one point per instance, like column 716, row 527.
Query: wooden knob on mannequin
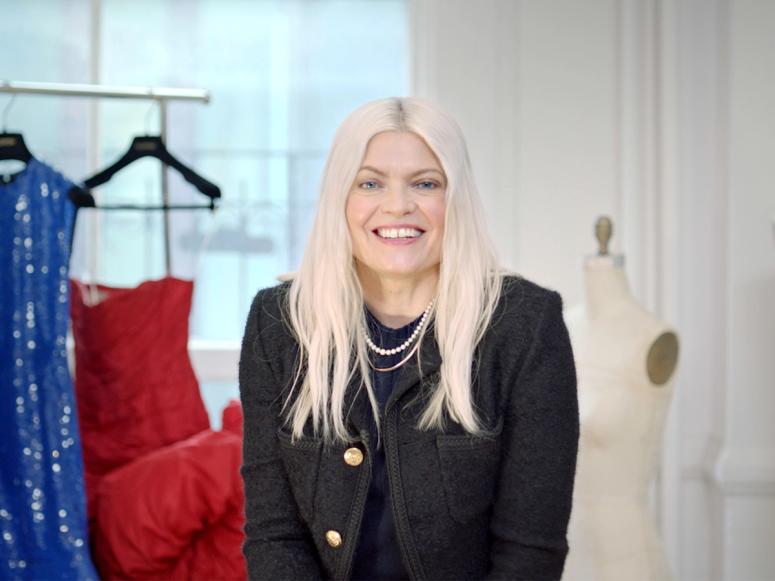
column 604, row 230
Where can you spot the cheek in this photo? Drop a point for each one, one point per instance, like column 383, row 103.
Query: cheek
column 356, row 213
column 351, row 215
column 436, row 214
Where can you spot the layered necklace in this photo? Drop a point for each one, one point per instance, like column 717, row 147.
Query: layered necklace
column 405, row 345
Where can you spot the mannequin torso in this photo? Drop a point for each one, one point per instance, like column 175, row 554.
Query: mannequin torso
column 625, row 358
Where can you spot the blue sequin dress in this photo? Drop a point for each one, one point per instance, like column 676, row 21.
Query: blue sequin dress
column 43, row 529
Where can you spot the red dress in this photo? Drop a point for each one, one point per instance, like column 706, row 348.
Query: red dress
column 135, row 387
column 165, row 494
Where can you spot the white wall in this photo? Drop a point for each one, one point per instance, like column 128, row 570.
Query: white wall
column 746, row 467
column 660, row 113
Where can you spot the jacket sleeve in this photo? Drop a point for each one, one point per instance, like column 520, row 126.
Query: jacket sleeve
column 277, row 544
column 541, row 432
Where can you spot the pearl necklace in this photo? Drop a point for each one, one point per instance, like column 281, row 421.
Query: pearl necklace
column 406, row 343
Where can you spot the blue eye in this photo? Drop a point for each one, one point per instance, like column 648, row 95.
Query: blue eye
column 364, row 184
column 430, row 185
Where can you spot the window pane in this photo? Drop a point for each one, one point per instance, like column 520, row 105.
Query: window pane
column 282, row 75
column 46, row 40
column 216, row 396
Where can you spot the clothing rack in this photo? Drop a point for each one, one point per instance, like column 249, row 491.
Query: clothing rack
column 161, row 95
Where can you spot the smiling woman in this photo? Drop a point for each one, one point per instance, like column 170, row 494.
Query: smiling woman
column 410, row 409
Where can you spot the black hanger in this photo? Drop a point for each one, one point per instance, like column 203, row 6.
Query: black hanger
column 153, row 146
column 12, row 146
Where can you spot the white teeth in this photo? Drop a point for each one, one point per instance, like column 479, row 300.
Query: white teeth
column 398, row 232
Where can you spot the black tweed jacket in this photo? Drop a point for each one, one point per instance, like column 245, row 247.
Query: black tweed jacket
column 486, row 507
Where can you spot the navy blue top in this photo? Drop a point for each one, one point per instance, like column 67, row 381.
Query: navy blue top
column 378, row 556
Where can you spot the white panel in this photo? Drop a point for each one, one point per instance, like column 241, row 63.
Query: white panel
column 749, row 534
column 698, row 83
column 568, row 131
column 692, row 563
column 747, row 458
column 751, row 371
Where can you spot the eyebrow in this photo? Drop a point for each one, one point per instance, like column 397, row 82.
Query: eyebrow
column 416, row 173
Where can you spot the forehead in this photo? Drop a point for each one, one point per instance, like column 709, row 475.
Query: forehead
column 404, row 149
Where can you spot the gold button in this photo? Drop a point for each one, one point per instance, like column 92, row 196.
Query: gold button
column 333, row 538
column 353, row 456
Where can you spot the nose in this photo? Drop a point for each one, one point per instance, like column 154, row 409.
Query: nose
column 398, row 201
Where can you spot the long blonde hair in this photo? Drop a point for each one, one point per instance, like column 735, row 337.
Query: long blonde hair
column 325, row 302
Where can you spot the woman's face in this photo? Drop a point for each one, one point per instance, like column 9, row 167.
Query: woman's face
column 395, row 208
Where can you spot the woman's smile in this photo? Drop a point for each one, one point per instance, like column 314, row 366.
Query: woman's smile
column 398, row 234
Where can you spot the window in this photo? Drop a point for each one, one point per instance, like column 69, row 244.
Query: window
column 282, row 75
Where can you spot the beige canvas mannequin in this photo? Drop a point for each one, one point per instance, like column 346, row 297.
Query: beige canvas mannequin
column 625, row 358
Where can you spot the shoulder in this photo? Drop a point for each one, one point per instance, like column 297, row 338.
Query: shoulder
column 270, row 301
column 525, row 302
column 268, row 342
column 525, row 313
column 268, row 313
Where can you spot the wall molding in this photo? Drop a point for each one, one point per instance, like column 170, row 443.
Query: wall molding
column 740, row 471
column 734, row 471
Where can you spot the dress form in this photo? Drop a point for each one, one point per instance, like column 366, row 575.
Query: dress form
column 625, row 359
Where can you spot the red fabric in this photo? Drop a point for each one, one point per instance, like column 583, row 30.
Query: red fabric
column 135, row 387
column 232, row 417
column 174, row 514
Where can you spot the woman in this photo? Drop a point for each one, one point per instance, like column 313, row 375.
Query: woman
column 410, row 411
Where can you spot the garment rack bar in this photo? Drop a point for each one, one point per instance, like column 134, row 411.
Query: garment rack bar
column 158, row 94
column 118, row 92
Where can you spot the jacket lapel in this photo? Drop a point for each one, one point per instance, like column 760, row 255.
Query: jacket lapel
column 409, row 377
column 357, row 405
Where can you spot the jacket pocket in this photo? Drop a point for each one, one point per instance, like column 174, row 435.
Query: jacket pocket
column 301, row 459
column 469, row 471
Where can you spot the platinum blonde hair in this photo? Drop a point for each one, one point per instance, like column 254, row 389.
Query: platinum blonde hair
column 325, row 302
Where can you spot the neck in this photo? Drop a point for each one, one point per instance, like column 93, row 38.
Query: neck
column 397, row 301
column 606, row 285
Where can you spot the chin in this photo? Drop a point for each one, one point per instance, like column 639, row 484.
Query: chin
column 405, row 271
column 386, row 268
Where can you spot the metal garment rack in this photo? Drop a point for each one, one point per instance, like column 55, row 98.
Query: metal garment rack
column 160, row 95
